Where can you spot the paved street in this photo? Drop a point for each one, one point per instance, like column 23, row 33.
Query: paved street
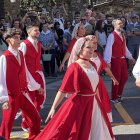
column 126, row 115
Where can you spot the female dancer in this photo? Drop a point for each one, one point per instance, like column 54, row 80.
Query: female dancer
column 79, row 33
column 101, row 65
column 82, row 115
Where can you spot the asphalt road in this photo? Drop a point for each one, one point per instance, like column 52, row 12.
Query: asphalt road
column 126, row 116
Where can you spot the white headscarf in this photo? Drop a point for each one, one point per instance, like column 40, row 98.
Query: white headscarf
column 76, row 28
column 78, row 46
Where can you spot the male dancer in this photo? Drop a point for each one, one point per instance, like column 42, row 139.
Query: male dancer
column 13, row 88
column 115, row 55
column 31, row 49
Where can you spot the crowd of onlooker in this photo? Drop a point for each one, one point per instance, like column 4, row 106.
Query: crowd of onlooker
column 57, row 30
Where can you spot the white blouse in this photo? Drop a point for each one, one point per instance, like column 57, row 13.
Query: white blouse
column 92, row 76
column 97, row 61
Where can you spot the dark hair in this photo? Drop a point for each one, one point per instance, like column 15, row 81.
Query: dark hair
column 20, row 26
column 10, row 33
column 107, row 16
column 55, row 24
column 71, row 28
column 65, row 23
column 77, row 13
column 125, row 24
column 89, row 6
column 98, row 26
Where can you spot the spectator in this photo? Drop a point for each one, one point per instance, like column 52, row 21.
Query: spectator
column 42, row 21
column 48, row 41
column 59, row 40
column 123, row 19
column 2, row 23
column 26, row 21
column 127, row 16
column 3, row 44
column 67, row 38
column 91, row 27
column 67, row 24
column 101, row 36
column 80, row 32
column 76, row 19
column 17, row 25
column 88, row 13
column 8, row 19
column 133, row 34
column 59, row 7
column 59, row 19
column 120, row 14
column 108, row 27
column 84, row 22
column 93, row 21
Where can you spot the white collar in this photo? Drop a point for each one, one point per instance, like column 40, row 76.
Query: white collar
column 31, row 40
column 118, row 32
column 46, row 32
column 134, row 23
column 14, row 52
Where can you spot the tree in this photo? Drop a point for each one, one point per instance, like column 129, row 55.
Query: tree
column 27, row 4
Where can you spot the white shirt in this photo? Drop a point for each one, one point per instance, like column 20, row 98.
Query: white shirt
column 32, row 84
column 23, row 45
column 45, row 32
column 136, row 69
column 102, row 38
column 61, row 22
column 108, row 48
column 97, row 61
column 23, row 49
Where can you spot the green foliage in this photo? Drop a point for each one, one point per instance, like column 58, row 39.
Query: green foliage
column 29, row 3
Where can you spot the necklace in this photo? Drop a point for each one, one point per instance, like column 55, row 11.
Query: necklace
column 84, row 59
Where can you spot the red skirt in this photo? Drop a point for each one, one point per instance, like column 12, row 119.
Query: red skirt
column 71, row 122
column 104, row 97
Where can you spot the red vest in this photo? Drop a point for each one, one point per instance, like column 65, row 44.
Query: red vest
column 32, row 57
column 15, row 74
column 118, row 48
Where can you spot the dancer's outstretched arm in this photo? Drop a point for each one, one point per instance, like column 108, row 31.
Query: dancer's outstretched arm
column 59, row 97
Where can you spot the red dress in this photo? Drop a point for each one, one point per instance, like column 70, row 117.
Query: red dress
column 102, row 89
column 73, row 119
column 73, row 41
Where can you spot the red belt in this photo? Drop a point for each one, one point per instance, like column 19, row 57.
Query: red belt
column 118, row 57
